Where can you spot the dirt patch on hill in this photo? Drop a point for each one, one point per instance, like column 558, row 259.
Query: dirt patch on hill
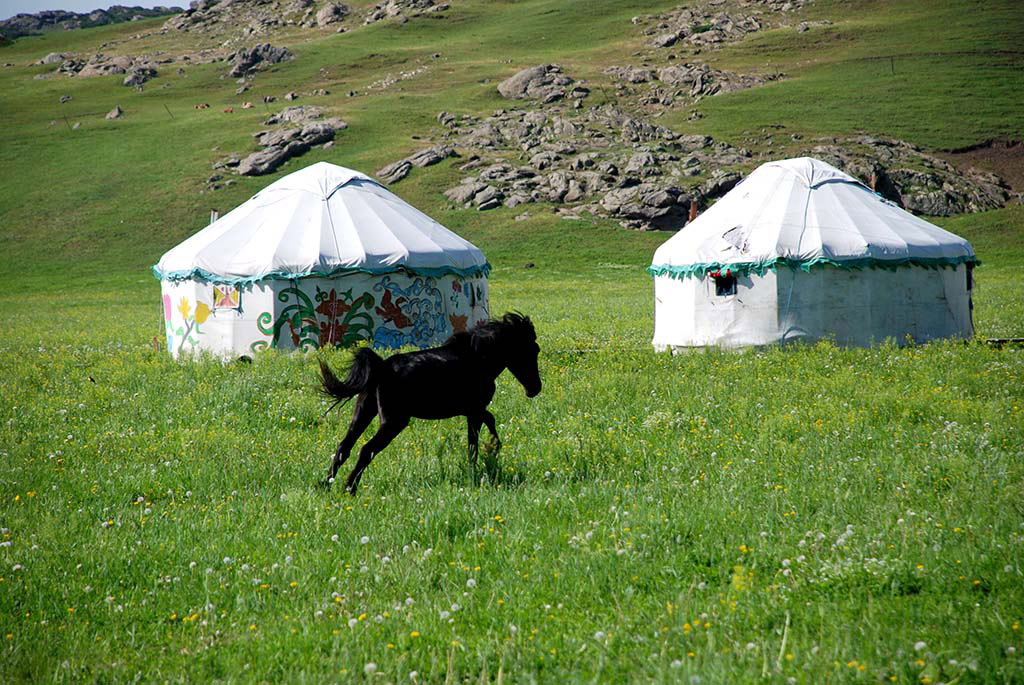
column 1002, row 157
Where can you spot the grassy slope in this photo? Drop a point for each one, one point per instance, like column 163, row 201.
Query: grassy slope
column 723, row 477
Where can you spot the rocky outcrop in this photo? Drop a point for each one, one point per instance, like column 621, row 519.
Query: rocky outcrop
column 695, row 80
column 919, row 182
column 704, row 24
column 138, row 70
column 402, row 9
column 248, row 60
column 60, row 20
column 603, row 161
column 302, row 128
column 396, row 171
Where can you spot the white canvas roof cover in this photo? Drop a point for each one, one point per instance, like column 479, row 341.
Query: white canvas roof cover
column 323, row 220
column 802, row 212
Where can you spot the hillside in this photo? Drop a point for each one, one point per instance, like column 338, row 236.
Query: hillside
column 831, row 94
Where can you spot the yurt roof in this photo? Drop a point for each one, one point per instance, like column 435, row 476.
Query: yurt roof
column 801, row 213
column 323, row 220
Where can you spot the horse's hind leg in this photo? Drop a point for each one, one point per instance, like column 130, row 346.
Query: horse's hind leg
column 389, row 429
column 488, row 419
column 362, row 416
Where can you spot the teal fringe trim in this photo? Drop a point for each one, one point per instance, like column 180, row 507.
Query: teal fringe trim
column 201, row 274
column 759, row 268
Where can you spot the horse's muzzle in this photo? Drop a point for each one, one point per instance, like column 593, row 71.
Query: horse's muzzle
column 533, row 392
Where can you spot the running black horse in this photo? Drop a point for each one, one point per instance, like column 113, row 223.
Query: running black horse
column 455, row 379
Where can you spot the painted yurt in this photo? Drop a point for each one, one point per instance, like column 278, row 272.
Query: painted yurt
column 323, row 256
column 801, row 251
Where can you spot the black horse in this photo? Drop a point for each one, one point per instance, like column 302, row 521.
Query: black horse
column 455, row 379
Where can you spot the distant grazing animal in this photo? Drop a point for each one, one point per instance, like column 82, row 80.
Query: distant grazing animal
column 455, row 379
column 203, row 106
column 229, row 110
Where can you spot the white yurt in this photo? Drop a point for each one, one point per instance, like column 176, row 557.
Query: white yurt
column 323, row 256
column 801, row 251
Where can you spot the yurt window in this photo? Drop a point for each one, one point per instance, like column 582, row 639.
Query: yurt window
column 226, row 296
column 725, row 284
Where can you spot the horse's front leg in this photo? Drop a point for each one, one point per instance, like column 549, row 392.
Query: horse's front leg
column 389, row 428
column 473, row 434
column 362, row 416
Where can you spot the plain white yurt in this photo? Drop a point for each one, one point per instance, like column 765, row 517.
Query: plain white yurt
column 323, row 256
column 801, row 251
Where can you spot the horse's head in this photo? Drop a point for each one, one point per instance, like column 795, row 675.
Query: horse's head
column 522, row 351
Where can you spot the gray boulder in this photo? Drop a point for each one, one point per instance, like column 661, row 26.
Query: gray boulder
column 139, row 75
column 394, row 172
column 115, row 113
column 464, row 193
column 248, row 60
column 331, row 13
column 545, row 82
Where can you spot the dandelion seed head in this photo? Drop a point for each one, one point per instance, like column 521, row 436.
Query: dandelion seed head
column 363, row 540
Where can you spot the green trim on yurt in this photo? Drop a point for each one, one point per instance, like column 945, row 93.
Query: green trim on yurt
column 760, row 268
column 474, row 271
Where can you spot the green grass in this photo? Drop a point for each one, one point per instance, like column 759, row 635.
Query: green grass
column 813, row 513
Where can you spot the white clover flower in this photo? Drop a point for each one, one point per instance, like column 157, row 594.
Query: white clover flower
column 363, row 540
column 919, row 645
column 192, row 564
column 18, row 567
column 385, row 559
column 455, row 606
column 444, row 614
column 676, row 663
column 353, row 622
column 785, row 563
column 370, row 668
column 471, row 583
column 600, row 636
column 512, row 628
column 751, row 646
column 334, row 538
column 227, row 560
column 408, row 601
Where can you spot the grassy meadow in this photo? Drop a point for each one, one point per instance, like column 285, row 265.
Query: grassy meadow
column 810, row 514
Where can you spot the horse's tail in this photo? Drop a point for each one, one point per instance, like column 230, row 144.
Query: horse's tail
column 363, row 374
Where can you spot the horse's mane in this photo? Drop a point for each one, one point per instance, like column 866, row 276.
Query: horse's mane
column 485, row 336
